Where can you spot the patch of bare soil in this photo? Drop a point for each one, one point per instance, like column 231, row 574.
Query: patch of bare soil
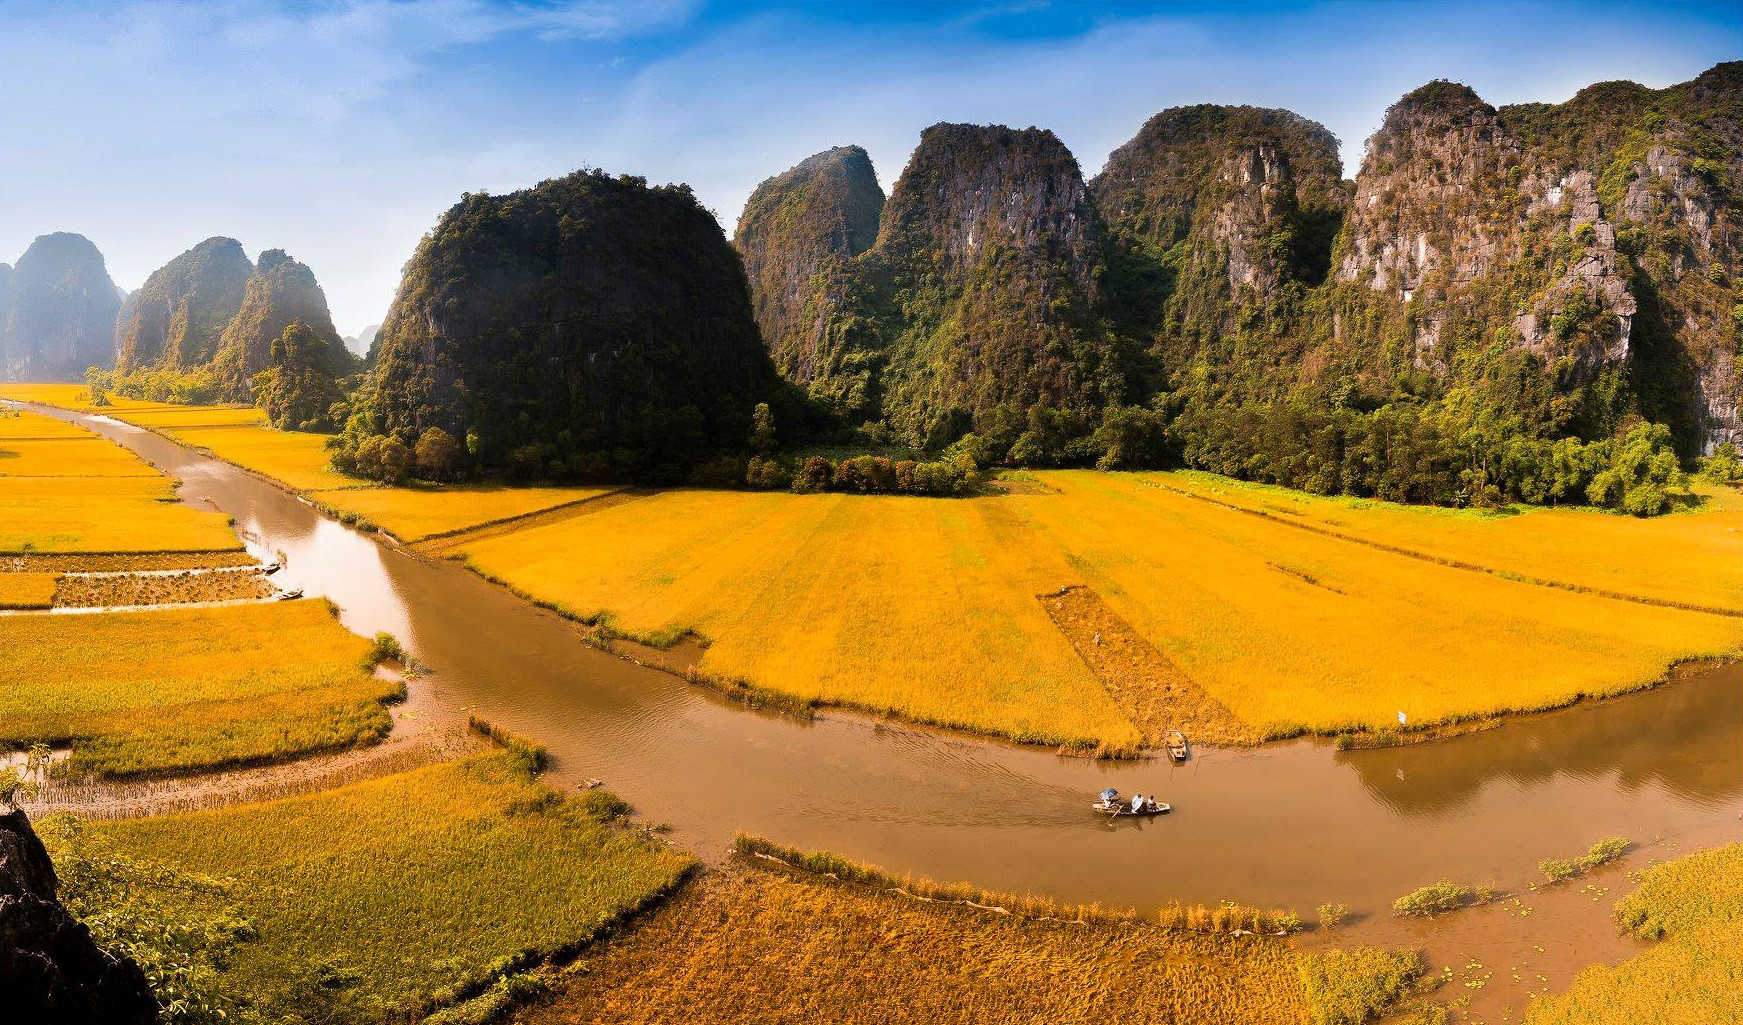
column 115, row 562
column 110, row 590
column 1147, row 687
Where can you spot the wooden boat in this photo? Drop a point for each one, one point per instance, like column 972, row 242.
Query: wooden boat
column 1119, row 809
column 1177, row 748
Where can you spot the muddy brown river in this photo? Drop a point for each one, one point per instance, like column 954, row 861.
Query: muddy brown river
column 1290, row 825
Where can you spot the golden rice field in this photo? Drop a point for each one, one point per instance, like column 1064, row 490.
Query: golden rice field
column 914, row 606
column 380, row 901
column 928, row 608
column 418, row 513
column 1692, row 556
column 27, row 590
column 766, row 947
column 1693, row 976
column 226, row 685
column 64, row 489
column 296, row 459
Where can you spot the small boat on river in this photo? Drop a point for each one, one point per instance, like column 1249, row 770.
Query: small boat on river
column 1177, row 748
column 1114, row 806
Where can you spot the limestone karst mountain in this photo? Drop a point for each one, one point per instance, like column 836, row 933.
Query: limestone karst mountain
column 590, row 326
column 59, row 315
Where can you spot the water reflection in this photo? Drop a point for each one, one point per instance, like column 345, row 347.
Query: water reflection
column 1683, row 737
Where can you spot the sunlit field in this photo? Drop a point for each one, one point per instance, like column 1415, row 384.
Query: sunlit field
column 27, row 590
column 921, row 607
column 63, row 489
column 928, row 608
column 1693, row 556
column 1693, row 976
column 183, row 689
column 379, row 901
column 296, row 459
column 763, row 946
column 417, row 513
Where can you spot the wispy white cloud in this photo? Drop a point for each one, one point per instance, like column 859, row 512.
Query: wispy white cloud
column 340, row 129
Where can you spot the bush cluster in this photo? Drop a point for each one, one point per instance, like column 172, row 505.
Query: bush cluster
column 864, row 475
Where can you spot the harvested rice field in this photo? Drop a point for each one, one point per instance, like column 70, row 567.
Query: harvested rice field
column 767, row 946
column 423, row 512
column 227, row 685
column 942, row 621
column 111, row 590
column 378, row 901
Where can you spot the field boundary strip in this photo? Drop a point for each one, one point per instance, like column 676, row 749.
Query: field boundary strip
column 1448, row 561
column 460, row 536
column 1144, row 684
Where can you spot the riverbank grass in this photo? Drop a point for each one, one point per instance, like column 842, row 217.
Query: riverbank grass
column 176, row 690
column 753, row 944
column 382, row 901
column 1693, row 976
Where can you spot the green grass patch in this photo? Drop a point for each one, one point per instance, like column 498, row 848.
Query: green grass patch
column 1439, row 898
column 385, row 900
column 1601, row 853
column 1349, row 987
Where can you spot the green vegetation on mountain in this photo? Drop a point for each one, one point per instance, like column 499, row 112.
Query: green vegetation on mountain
column 590, row 327
column 300, row 386
column 57, row 316
column 1499, row 307
column 177, row 317
column 280, row 292
column 798, row 234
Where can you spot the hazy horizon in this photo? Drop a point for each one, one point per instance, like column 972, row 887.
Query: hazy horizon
column 340, row 131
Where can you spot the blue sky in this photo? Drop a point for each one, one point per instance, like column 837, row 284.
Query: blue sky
column 341, row 129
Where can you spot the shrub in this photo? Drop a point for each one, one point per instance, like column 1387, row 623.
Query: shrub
column 436, row 454
column 1333, row 916
column 814, row 474
column 1352, row 987
column 767, row 474
column 1436, row 898
column 1601, row 853
column 383, row 458
column 385, row 648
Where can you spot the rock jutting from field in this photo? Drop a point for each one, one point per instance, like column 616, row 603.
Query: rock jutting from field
column 50, row 968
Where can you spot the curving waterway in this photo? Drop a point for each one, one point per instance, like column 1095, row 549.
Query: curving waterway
column 1289, row 825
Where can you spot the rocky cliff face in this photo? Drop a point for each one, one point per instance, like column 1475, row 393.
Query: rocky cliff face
column 980, row 292
column 1578, row 233
column 1219, row 219
column 590, row 326
column 50, row 969
column 61, row 317
column 178, row 316
column 1555, row 268
column 278, row 293
column 799, row 234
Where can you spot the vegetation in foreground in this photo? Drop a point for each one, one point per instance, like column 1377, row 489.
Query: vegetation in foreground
column 759, row 943
column 375, row 902
column 227, row 685
column 1349, row 987
column 1693, row 976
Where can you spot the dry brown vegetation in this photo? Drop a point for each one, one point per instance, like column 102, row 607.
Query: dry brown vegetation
column 768, row 946
column 113, row 590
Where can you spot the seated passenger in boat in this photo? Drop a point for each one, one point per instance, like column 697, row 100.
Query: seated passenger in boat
column 1150, row 803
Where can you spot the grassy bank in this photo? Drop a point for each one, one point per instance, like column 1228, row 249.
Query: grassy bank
column 138, row 693
column 772, row 945
column 381, row 901
column 1693, row 975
